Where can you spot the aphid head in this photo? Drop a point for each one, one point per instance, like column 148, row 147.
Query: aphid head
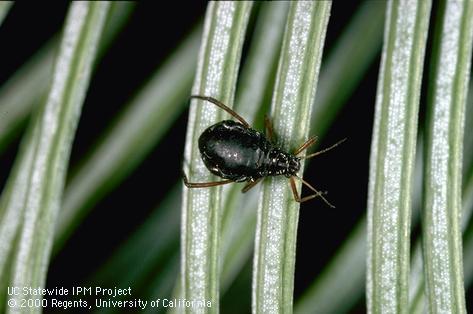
column 293, row 165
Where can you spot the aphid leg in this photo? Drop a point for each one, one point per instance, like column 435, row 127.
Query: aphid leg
column 296, row 194
column 311, row 141
column 222, row 106
column 203, row 184
column 299, row 199
column 249, row 185
column 324, row 150
column 269, row 129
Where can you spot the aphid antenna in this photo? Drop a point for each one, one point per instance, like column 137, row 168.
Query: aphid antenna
column 324, row 150
column 319, row 193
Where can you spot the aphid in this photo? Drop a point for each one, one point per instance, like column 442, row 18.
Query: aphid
column 237, row 153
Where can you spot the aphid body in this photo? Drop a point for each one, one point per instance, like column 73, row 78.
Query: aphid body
column 233, row 151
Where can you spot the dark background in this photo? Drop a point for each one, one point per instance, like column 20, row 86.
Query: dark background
column 150, row 35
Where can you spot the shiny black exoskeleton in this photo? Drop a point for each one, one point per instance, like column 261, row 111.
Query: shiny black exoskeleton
column 232, row 151
column 235, row 152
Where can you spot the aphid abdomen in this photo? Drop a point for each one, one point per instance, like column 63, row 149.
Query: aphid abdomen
column 232, row 151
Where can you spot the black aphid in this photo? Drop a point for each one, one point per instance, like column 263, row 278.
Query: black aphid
column 237, row 153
